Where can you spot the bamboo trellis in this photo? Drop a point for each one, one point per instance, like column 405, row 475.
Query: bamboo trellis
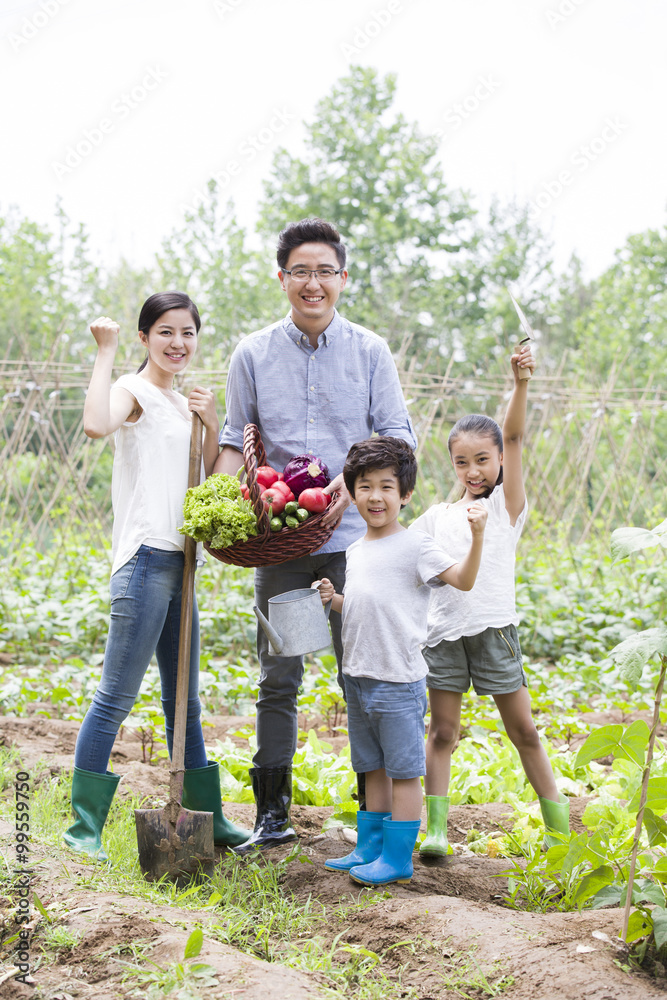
column 594, row 457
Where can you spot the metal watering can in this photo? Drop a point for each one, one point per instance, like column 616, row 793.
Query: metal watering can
column 297, row 622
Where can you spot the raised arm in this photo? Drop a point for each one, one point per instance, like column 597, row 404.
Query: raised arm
column 514, row 427
column 462, row 575
column 105, row 409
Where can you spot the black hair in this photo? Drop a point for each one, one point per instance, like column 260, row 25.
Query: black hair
column 309, row 231
column 381, row 453
column 160, row 303
column 483, row 426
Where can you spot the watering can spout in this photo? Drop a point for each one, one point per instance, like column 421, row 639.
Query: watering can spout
column 271, row 634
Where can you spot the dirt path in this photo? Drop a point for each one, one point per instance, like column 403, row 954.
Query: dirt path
column 433, row 934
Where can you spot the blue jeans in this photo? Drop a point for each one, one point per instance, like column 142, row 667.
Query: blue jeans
column 280, row 676
column 145, row 619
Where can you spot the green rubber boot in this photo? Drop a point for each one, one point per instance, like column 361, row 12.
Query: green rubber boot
column 556, row 816
column 435, row 843
column 201, row 793
column 92, row 795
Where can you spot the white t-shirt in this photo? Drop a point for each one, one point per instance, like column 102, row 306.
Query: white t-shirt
column 490, row 604
column 150, row 473
column 387, row 586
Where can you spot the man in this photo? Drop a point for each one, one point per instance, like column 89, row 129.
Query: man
column 313, row 383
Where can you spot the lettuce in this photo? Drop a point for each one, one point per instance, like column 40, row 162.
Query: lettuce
column 215, row 512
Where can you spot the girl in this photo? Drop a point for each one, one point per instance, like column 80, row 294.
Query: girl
column 151, row 424
column 472, row 636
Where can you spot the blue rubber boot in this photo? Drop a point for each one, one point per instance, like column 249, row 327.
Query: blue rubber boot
column 395, row 863
column 92, row 794
column 369, row 843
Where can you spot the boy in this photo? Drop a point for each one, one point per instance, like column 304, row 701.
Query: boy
column 388, row 578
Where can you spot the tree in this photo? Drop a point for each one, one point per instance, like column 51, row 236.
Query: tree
column 49, row 283
column 235, row 288
column 376, row 177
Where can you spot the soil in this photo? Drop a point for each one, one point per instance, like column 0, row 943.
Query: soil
column 448, row 917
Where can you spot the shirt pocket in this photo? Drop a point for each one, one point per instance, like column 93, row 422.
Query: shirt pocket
column 349, row 398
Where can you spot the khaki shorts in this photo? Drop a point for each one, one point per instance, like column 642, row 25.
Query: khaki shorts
column 491, row 661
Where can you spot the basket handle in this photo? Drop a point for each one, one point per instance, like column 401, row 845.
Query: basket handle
column 254, row 455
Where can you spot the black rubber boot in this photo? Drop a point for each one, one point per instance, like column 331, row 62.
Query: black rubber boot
column 272, row 787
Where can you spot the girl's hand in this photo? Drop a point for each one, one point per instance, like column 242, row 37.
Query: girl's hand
column 477, row 515
column 523, row 358
column 106, row 333
column 202, row 401
column 327, row 591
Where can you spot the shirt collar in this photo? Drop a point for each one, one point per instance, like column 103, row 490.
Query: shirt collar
column 326, row 337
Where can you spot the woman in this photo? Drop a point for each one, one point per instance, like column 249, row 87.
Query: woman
column 151, row 423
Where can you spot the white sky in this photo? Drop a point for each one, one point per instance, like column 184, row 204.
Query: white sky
column 225, row 71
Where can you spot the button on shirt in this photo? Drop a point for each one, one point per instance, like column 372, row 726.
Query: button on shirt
column 316, row 400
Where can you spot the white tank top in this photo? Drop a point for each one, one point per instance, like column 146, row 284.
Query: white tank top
column 150, row 473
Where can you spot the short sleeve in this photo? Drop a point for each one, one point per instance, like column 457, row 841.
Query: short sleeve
column 426, row 522
column 432, row 561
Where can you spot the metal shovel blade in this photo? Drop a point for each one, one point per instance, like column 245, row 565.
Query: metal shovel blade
column 177, row 849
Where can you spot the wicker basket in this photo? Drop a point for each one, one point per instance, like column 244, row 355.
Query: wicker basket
column 269, row 548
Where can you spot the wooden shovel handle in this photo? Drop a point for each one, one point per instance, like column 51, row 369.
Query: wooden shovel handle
column 185, row 633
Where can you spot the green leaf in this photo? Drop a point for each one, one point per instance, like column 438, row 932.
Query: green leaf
column 593, row 882
column 639, row 925
column 194, row 943
column 660, row 927
column 624, row 541
column 609, row 895
column 40, row 906
column 633, row 653
column 656, row 828
column 656, row 798
column 660, row 870
column 628, row 744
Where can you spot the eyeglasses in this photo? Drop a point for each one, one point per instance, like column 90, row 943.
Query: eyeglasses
column 322, row 273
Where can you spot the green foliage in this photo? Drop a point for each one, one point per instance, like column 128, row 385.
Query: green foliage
column 215, row 512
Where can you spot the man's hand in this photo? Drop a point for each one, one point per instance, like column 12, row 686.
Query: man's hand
column 326, row 590
column 335, row 513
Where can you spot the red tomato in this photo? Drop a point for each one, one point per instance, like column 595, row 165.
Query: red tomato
column 282, row 485
column 314, row 500
column 245, row 491
column 266, row 476
column 275, row 499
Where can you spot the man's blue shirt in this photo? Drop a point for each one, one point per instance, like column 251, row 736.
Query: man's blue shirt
column 318, row 400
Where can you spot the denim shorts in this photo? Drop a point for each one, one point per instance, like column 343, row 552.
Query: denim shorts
column 385, row 724
column 490, row 660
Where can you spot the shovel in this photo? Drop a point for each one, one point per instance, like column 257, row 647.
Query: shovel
column 177, row 842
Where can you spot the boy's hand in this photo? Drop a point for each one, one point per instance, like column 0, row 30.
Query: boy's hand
column 477, row 515
column 523, row 360
column 106, row 332
column 327, row 591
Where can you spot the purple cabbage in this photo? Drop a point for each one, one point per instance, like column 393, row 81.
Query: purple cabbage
column 304, row 471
